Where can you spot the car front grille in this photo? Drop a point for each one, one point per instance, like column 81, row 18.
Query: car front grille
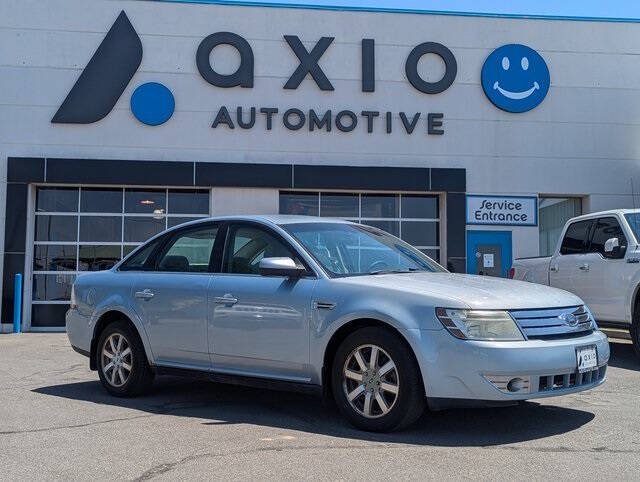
column 553, row 323
column 550, row 383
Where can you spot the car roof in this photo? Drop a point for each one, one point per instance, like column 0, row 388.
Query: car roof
column 276, row 219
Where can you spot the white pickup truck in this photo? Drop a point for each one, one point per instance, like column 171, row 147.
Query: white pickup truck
column 598, row 259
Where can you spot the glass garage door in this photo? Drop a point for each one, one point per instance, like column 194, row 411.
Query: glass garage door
column 414, row 218
column 80, row 229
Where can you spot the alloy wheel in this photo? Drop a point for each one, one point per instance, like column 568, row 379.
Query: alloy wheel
column 370, row 381
column 116, row 359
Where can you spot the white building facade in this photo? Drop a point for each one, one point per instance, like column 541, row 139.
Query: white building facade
column 473, row 138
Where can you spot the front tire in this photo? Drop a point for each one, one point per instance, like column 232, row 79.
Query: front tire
column 376, row 381
column 122, row 363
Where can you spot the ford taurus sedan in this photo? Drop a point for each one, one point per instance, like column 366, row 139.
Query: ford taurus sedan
column 333, row 307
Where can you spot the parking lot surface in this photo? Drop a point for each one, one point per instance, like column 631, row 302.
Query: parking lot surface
column 56, row 421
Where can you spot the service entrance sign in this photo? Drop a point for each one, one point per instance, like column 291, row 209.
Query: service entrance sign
column 502, row 210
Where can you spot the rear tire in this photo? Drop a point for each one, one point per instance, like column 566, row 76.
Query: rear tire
column 376, row 381
column 635, row 330
column 121, row 360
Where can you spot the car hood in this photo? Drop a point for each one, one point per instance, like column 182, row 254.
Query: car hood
column 463, row 290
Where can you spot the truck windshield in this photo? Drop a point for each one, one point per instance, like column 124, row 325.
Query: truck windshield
column 634, row 221
column 352, row 250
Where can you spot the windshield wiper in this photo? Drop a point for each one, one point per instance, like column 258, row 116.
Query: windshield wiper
column 392, row 271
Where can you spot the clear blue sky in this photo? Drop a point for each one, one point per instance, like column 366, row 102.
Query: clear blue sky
column 628, row 9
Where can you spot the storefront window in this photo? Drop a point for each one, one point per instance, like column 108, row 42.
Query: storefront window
column 80, row 229
column 303, row 203
column 553, row 214
column 57, row 199
column 412, row 217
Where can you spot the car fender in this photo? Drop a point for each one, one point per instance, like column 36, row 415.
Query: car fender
column 403, row 317
column 633, row 291
column 117, row 302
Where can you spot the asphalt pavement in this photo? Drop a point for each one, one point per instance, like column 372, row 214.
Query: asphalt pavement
column 56, row 422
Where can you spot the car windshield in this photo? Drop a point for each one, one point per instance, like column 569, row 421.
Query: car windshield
column 352, row 249
column 634, row 221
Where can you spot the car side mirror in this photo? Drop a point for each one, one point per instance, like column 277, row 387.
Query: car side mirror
column 280, row 267
column 613, row 250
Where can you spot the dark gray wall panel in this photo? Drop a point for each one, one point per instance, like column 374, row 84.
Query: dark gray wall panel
column 347, row 177
column 13, row 263
column 456, row 227
column 15, row 228
column 25, row 169
column 448, row 179
column 243, row 175
column 100, row 171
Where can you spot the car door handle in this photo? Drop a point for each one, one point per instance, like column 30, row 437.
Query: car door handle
column 227, row 299
column 554, row 268
column 146, row 294
column 584, row 267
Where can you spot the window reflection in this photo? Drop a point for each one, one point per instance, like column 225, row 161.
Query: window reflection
column 52, row 287
column 148, row 201
column 101, row 200
column 53, row 257
column 57, row 199
column 101, row 228
column 188, row 201
column 56, row 228
column 139, row 229
column 299, row 203
column 339, row 205
column 97, row 258
column 380, row 206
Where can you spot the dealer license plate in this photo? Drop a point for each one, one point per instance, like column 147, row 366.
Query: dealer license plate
column 587, row 358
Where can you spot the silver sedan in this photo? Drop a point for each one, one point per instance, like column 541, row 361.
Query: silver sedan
column 332, row 307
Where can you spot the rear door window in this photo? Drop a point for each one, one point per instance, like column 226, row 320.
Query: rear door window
column 189, row 251
column 576, row 238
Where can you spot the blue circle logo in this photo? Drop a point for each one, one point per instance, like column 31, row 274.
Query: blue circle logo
column 152, row 103
column 515, row 78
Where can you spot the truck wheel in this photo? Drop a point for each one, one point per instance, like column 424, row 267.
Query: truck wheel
column 635, row 330
column 376, row 381
column 122, row 363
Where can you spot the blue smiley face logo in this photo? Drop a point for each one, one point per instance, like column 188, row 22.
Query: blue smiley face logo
column 515, row 78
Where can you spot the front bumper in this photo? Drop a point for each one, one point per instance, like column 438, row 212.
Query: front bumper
column 480, row 370
column 78, row 330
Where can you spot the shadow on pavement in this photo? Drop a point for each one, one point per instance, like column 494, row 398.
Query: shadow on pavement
column 221, row 404
column 623, row 356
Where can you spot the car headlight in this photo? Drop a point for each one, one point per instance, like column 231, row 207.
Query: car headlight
column 479, row 324
column 594, row 325
column 74, row 304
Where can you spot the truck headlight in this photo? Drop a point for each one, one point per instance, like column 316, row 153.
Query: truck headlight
column 479, row 324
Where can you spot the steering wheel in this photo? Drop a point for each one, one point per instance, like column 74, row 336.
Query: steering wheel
column 379, row 265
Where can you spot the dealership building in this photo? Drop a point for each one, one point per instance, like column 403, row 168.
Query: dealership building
column 472, row 137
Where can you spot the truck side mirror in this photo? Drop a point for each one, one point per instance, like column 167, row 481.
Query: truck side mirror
column 613, row 250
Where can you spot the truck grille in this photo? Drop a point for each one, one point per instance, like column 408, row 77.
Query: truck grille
column 568, row 380
column 553, row 323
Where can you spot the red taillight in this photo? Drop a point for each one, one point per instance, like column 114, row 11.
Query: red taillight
column 512, row 273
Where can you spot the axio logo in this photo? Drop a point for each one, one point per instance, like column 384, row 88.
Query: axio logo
column 105, row 78
column 515, row 78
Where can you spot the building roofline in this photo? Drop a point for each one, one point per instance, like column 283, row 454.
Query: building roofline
column 453, row 13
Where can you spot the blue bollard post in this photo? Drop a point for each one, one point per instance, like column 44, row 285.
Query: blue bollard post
column 17, row 303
